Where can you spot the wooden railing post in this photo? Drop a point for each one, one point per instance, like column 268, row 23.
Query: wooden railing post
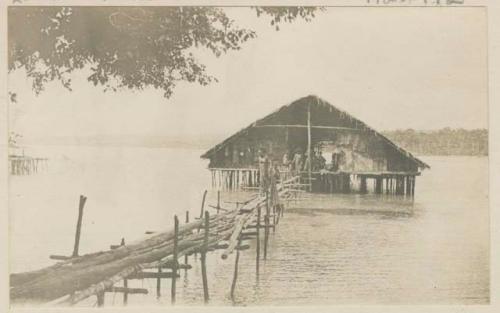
column 125, row 292
column 175, row 257
column 203, row 204
column 125, row 281
column 266, row 223
column 218, row 201
column 204, row 257
column 79, row 225
column 158, row 282
column 257, row 228
column 186, row 256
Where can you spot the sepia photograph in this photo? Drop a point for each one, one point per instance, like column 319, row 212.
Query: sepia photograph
column 247, row 155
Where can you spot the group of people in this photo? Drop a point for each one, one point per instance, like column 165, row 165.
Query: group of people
column 297, row 163
column 300, row 162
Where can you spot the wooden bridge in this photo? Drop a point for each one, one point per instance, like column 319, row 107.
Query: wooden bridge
column 76, row 277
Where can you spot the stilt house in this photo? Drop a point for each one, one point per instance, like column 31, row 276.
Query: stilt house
column 313, row 127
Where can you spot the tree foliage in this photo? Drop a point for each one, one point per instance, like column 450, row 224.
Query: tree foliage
column 446, row 141
column 126, row 47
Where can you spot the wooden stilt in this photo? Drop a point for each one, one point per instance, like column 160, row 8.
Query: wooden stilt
column 81, row 204
column 204, row 257
column 363, row 188
column 378, row 185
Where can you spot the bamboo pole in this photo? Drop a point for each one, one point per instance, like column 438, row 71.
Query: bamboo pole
column 79, row 225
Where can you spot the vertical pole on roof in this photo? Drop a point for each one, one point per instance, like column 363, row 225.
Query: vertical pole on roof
column 309, row 146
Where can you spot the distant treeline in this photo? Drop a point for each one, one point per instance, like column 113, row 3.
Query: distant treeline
column 445, row 141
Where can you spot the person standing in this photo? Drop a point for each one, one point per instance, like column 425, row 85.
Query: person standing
column 297, row 162
column 286, row 160
column 263, row 170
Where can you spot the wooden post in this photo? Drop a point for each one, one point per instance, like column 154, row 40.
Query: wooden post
column 235, row 276
column 79, row 225
column 125, row 281
column 158, row 282
column 218, row 201
column 378, row 185
column 400, row 187
column 309, row 146
column 257, row 228
column 186, row 256
column 204, row 256
column 203, row 203
column 363, row 188
column 266, row 235
column 125, row 292
column 266, row 223
column 274, row 219
column 175, row 257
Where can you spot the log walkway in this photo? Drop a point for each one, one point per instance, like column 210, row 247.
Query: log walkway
column 76, row 277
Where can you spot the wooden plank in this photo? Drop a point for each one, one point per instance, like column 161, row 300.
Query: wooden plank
column 60, row 257
column 149, row 275
column 128, row 290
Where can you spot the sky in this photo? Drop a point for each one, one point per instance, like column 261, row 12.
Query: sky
column 393, row 68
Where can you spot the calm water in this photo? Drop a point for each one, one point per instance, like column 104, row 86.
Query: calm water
column 338, row 249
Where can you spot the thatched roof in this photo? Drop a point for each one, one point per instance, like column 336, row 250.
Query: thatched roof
column 316, row 102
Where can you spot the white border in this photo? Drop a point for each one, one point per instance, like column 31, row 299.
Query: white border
column 493, row 13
